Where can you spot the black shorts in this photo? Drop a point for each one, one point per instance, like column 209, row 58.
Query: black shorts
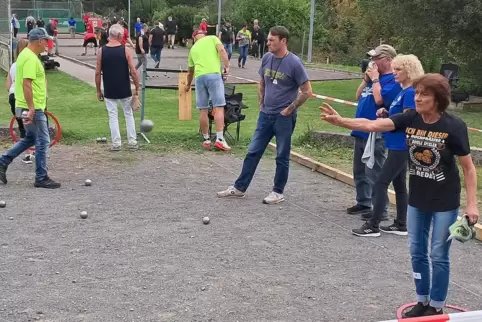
column 90, row 40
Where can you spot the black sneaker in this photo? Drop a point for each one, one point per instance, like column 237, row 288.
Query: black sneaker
column 418, row 310
column 3, row 173
column 394, row 229
column 366, row 230
column 432, row 311
column 358, row 210
column 47, row 183
column 367, row 216
column 27, row 159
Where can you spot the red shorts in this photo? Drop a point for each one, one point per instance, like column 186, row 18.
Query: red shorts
column 50, row 44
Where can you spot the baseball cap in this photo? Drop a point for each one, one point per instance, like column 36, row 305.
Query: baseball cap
column 383, row 51
column 38, row 34
column 198, row 32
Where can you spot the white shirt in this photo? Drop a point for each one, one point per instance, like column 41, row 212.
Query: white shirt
column 12, row 76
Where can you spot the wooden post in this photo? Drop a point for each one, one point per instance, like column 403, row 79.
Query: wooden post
column 185, row 99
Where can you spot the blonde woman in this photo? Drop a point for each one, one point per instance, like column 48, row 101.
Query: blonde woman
column 406, row 68
column 21, row 44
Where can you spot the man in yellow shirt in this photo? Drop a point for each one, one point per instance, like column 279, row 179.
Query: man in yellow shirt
column 204, row 63
column 31, row 97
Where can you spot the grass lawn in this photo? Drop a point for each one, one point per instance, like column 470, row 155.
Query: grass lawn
column 83, row 118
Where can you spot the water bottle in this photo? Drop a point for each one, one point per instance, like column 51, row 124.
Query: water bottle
column 24, row 115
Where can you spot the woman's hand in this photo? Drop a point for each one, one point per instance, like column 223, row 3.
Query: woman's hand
column 472, row 212
column 329, row 114
column 382, row 112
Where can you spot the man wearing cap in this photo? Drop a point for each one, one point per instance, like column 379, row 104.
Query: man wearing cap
column 204, row 63
column 377, row 89
column 31, row 96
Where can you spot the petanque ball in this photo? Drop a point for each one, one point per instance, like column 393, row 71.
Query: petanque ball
column 147, row 125
column 98, row 140
column 83, row 215
column 3, row 204
column 205, row 220
column 88, row 182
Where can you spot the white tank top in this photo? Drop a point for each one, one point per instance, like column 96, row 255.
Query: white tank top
column 12, row 76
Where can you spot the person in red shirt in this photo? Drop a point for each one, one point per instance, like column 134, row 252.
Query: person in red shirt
column 90, row 38
column 89, row 27
column 203, row 26
column 126, row 39
column 85, row 19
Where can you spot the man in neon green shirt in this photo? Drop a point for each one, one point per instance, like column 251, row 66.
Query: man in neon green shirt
column 31, row 100
column 204, row 63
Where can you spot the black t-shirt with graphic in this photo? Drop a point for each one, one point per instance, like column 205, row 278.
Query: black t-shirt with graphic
column 434, row 176
column 227, row 35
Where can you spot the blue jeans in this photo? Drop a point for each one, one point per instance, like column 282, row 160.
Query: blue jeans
column 418, row 226
column 269, row 125
column 36, row 133
column 229, row 49
column 364, row 177
column 243, row 54
column 156, row 53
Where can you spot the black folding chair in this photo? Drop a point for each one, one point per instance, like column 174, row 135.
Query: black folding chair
column 451, row 71
column 232, row 113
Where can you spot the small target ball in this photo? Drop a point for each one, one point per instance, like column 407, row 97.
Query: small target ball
column 83, row 215
column 147, row 125
column 206, row 220
column 88, row 182
column 2, row 204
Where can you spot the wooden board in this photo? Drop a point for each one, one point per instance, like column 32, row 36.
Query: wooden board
column 344, row 177
column 185, row 99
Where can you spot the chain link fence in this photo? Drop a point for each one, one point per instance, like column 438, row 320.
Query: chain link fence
column 61, row 10
column 5, row 35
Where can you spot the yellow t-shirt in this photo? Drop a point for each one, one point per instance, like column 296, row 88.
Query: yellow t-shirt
column 29, row 66
column 204, row 56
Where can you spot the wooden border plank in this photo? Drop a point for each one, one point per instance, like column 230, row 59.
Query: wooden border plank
column 343, row 177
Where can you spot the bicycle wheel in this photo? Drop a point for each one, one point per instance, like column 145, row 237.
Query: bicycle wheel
column 53, row 124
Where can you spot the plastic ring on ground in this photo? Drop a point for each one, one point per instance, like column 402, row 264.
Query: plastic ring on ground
column 52, row 143
column 402, row 308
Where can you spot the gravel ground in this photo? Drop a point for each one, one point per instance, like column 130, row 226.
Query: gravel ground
column 143, row 254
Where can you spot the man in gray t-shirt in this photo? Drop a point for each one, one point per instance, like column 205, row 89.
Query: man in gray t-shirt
column 282, row 77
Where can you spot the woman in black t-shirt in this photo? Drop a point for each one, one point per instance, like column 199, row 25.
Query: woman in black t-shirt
column 434, row 139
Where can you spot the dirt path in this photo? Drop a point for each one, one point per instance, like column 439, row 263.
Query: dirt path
column 143, row 253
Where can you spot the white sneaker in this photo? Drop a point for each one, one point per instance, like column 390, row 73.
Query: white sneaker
column 222, row 145
column 273, row 198
column 231, row 192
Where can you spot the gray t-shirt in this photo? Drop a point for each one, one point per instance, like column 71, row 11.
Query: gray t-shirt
column 282, row 80
column 244, row 38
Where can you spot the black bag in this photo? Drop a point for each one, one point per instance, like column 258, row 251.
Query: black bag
column 234, row 105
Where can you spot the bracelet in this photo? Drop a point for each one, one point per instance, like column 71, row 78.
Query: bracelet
column 376, row 80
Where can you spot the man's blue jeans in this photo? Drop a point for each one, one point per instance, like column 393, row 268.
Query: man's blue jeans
column 36, row 133
column 418, row 226
column 269, row 125
column 156, row 53
column 229, row 49
column 364, row 177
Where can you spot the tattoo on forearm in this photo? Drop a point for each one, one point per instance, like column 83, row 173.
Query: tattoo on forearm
column 300, row 100
column 261, row 92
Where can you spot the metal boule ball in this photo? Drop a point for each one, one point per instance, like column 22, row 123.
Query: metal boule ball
column 88, row 182
column 205, row 220
column 147, row 125
column 98, row 140
column 3, row 204
column 83, row 215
